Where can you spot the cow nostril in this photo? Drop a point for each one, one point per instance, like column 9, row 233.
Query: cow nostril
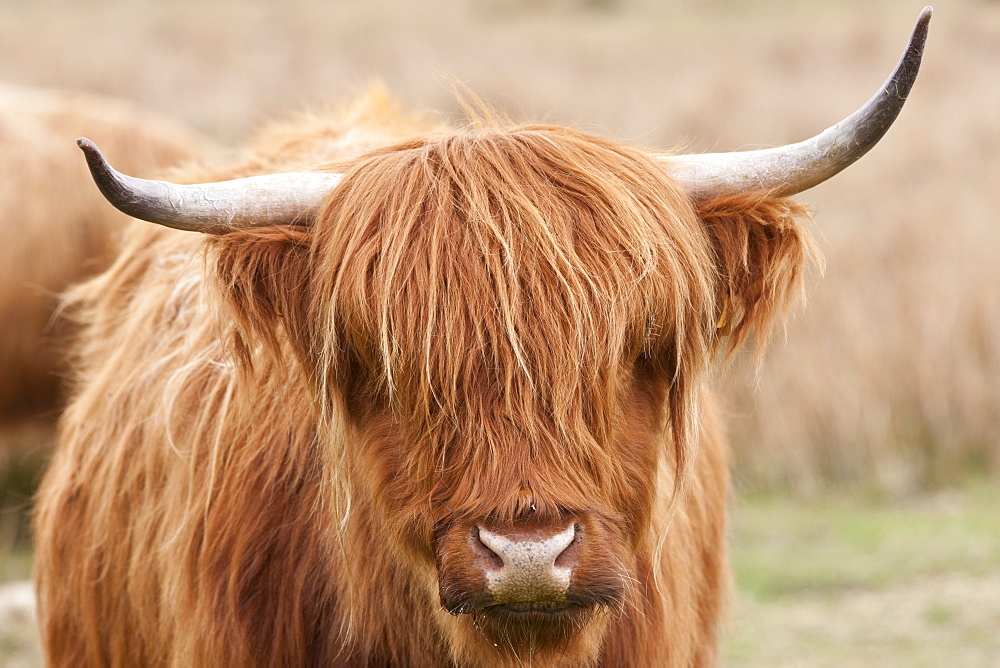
column 569, row 557
column 487, row 558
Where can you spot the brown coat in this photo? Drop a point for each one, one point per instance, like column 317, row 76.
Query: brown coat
column 280, row 433
column 55, row 228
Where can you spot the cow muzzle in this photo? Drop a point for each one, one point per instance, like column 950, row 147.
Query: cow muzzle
column 525, row 569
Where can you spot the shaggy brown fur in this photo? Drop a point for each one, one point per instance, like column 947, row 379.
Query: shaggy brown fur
column 276, row 430
column 54, row 227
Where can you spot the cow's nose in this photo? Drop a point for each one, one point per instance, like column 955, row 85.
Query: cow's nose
column 530, row 570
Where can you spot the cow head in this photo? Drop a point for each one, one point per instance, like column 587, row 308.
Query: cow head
column 505, row 331
column 508, row 322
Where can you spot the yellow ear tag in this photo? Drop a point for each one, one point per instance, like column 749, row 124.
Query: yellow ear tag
column 724, row 317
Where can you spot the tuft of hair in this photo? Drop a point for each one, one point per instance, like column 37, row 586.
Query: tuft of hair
column 761, row 251
column 510, row 272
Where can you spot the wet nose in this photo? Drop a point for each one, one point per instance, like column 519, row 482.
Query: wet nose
column 530, row 570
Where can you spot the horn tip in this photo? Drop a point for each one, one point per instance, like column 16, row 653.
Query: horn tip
column 920, row 30
column 90, row 151
column 104, row 175
column 925, row 17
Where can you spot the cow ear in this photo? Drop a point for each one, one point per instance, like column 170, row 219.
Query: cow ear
column 264, row 276
column 761, row 251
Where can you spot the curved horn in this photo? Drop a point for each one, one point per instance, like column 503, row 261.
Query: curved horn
column 271, row 199
column 787, row 170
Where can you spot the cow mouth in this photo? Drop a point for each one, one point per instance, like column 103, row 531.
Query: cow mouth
column 528, row 610
column 532, row 628
column 531, row 607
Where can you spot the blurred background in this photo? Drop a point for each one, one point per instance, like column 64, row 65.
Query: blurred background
column 866, row 519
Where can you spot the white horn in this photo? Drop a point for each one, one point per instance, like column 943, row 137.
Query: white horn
column 271, row 199
column 787, row 170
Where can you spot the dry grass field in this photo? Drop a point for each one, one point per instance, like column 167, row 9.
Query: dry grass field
column 887, row 383
column 888, row 377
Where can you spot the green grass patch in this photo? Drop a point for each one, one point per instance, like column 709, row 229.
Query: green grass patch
column 835, row 543
column 852, row 580
column 15, row 564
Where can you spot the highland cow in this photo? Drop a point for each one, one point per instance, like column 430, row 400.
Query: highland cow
column 54, row 229
column 419, row 396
